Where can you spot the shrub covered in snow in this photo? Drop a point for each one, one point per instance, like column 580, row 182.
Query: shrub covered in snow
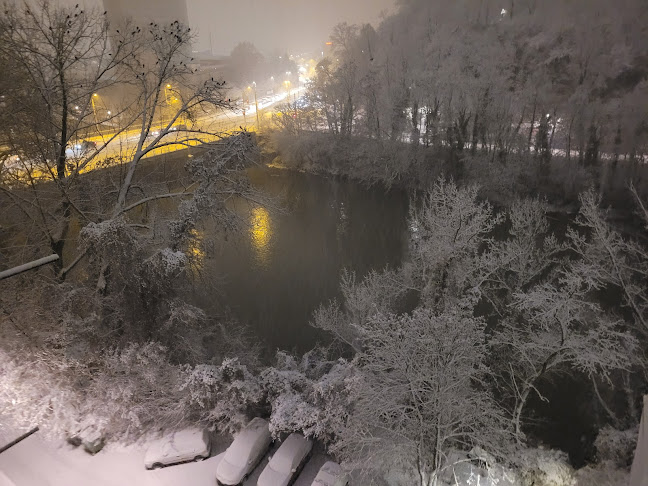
column 604, row 474
column 541, row 467
column 308, row 395
column 224, row 395
column 615, row 446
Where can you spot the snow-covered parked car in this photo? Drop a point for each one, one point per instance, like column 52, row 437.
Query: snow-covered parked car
column 244, row 453
column 330, row 474
column 182, row 446
column 285, row 464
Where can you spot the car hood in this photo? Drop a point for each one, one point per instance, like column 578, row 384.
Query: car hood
column 155, row 452
column 228, row 473
column 328, row 475
column 270, row 477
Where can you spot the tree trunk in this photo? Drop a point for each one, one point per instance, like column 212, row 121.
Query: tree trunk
column 517, row 414
column 569, row 137
column 60, row 162
column 532, row 124
column 608, row 410
column 553, row 131
column 473, row 148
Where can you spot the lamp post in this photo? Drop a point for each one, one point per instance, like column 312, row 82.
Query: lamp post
column 256, row 106
column 287, row 85
column 94, row 110
column 166, row 93
column 168, row 103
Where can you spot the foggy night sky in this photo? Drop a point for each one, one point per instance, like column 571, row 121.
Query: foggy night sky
column 293, row 25
column 296, row 25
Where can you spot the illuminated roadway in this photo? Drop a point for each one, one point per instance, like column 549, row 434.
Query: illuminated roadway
column 206, row 128
column 211, row 126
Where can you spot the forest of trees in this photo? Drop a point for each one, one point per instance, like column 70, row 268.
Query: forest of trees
column 494, row 312
column 489, row 81
column 471, row 74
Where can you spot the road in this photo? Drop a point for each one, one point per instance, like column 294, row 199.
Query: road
column 124, row 145
column 219, row 123
column 38, row 462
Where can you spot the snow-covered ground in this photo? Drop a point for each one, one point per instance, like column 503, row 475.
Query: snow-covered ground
column 38, row 462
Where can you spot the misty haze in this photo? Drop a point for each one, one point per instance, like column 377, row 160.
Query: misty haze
column 372, row 242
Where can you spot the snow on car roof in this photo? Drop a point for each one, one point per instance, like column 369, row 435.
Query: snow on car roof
column 245, row 440
column 328, row 474
column 175, row 441
column 293, row 446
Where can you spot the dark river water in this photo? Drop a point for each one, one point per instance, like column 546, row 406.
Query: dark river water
column 283, row 265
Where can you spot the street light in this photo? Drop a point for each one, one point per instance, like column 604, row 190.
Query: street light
column 94, row 110
column 256, row 104
column 287, row 85
column 167, row 97
column 166, row 94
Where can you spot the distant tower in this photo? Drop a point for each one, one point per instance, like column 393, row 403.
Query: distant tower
column 144, row 11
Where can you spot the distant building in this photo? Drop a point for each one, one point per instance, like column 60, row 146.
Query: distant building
column 145, row 11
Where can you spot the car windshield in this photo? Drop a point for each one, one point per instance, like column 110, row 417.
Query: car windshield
column 238, row 453
column 281, row 462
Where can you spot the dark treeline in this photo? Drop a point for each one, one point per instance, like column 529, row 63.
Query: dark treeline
column 562, row 80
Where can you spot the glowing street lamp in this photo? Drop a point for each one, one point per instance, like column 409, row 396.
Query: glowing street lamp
column 166, row 93
column 94, row 110
column 256, row 104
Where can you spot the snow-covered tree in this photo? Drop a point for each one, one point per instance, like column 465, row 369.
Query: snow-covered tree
column 421, row 393
column 225, row 395
column 559, row 329
column 309, row 395
column 447, row 233
column 377, row 293
column 525, row 257
column 606, row 258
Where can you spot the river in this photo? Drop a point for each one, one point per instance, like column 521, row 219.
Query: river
column 284, row 264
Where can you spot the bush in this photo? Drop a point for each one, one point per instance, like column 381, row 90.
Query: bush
column 540, row 467
column 602, row 475
column 615, row 446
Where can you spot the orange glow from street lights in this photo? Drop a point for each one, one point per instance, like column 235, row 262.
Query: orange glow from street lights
column 261, row 233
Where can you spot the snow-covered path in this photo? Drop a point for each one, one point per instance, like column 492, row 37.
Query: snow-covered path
column 37, row 462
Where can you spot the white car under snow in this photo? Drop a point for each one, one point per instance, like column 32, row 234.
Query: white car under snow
column 244, row 453
column 330, row 474
column 286, row 463
column 181, row 446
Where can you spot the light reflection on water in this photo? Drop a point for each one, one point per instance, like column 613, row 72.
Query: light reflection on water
column 195, row 250
column 261, row 234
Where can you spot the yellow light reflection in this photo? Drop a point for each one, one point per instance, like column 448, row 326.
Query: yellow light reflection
column 194, row 247
column 261, row 232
